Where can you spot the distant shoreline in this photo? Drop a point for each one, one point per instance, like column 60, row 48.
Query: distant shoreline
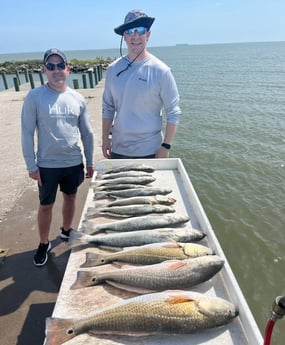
column 34, row 66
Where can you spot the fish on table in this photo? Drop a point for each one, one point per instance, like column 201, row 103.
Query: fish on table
column 136, row 223
column 132, row 192
column 149, row 200
column 134, row 167
column 167, row 275
column 130, row 210
column 168, row 312
column 119, row 240
column 149, row 254
column 117, row 187
column 129, row 173
column 138, row 180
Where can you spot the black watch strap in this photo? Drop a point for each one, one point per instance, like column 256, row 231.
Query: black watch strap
column 167, row 146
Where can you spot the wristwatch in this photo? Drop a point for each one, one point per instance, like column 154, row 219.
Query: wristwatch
column 166, row 146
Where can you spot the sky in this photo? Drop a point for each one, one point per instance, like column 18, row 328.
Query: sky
column 37, row 25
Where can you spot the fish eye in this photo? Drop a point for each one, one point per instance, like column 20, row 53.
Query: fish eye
column 102, row 261
column 93, row 280
column 70, row 331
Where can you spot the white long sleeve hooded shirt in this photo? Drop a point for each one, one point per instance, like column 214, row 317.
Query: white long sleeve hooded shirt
column 135, row 100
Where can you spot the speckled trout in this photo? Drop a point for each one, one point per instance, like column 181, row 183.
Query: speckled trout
column 149, row 254
column 136, row 238
column 126, row 211
column 170, row 274
column 121, row 174
column 148, row 200
column 116, row 187
column 140, row 180
column 134, row 167
column 169, row 312
column 131, row 192
column 136, row 223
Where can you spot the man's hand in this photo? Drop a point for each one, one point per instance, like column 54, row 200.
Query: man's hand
column 89, row 172
column 35, row 175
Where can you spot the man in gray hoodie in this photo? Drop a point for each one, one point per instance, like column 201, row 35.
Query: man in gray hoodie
column 59, row 117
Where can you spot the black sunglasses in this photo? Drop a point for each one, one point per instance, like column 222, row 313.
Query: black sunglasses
column 51, row 66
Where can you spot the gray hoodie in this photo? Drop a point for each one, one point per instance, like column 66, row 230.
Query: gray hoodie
column 60, row 119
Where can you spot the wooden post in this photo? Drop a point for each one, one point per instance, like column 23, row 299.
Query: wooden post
column 18, row 77
column 91, row 79
column 41, row 77
column 84, row 81
column 31, row 80
column 75, row 84
column 95, row 75
column 26, row 75
column 5, row 81
column 100, row 71
column 16, row 84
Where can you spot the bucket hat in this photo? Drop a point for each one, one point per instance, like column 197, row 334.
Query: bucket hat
column 133, row 19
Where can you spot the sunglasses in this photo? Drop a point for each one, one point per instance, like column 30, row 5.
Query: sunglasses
column 140, row 31
column 51, row 66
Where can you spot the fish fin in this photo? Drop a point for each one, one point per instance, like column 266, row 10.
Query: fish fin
column 117, row 264
column 109, row 248
column 58, row 331
column 114, row 215
column 176, row 264
column 84, row 279
column 137, row 334
column 129, row 288
column 171, row 245
column 178, row 299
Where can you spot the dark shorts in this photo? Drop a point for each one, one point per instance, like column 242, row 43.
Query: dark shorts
column 117, row 156
column 67, row 178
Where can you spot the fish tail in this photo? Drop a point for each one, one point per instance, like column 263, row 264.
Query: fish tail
column 92, row 259
column 58, row 331
column 92, row 214
column 99, row 195
column 88, row 227
column 84, row 279
column 77, row 238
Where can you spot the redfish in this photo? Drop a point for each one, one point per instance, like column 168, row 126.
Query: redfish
column 149, row 254
column 168, row 312
column 170, row 274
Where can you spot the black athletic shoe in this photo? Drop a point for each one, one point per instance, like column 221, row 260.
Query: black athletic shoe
column 41, row 255
column 64, row 234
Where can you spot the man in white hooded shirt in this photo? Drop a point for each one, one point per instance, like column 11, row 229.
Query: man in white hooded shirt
column 138, row 88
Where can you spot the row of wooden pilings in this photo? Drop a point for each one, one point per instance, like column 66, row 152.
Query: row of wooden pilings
column 89, row 79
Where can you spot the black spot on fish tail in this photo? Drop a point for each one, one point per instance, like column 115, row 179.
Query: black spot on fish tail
column 58, row 331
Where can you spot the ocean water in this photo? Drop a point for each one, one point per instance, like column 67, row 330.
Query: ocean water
column 232, row 143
